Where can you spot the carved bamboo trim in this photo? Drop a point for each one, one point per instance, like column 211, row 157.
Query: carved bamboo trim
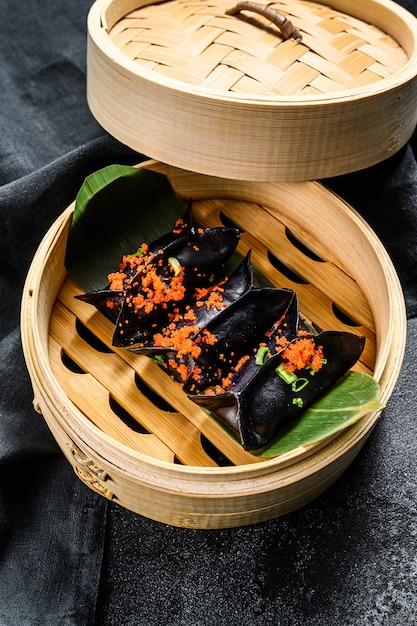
column 89, row 472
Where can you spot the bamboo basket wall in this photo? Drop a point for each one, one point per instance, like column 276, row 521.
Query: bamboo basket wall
column 184, row 83
column 175, row 464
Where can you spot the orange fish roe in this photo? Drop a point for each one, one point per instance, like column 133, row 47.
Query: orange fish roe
column 180, row 333
column 137, row 260
column 179, row 226
column 208, row 337
column 226, row 381
column 281, row 342
column 210, row 297
column 155, row 291
column 183, row 371
column 241, row 362
column 196, row 373
column 117, row 281
column 276, row 326
column 303, row 353
column 132, row 262
column 179, row 339
column 211, row 391
column 189, row 316
column 181, row 368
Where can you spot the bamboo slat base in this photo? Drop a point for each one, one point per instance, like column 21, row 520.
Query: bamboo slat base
column 132, row 435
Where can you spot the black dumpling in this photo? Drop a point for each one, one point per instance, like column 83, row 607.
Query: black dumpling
column 238, row 332
column 258, row 410
column 202, row 253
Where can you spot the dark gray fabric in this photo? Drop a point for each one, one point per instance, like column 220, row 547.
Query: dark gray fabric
column 70, row 558
column 49, row 547
column 357, row 540
column 51, row 525
column 386, row 196
column 347, row 559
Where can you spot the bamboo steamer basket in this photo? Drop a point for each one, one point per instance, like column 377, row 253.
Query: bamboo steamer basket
column 183, row 468
column 228, row 96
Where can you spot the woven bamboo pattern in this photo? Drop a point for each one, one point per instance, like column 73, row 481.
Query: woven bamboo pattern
column 231, row 96
column 195, row 42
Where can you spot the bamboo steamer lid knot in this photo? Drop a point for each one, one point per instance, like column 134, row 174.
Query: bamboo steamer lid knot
column 214, row 88
column 286, row 27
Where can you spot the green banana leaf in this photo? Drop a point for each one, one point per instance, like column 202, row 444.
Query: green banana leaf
column 116, row 210
column 120, row 207
column 354, row 396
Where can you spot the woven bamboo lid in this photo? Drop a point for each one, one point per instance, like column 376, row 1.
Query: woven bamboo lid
column 230, row 95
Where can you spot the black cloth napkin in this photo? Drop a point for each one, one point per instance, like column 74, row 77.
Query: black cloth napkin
column 68, row 557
